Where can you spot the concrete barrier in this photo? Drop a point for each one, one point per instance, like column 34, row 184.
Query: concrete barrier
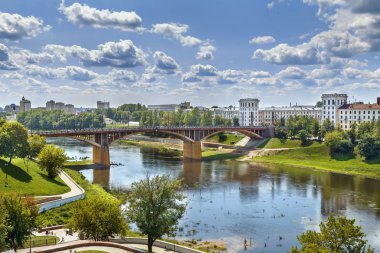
column 157, row 243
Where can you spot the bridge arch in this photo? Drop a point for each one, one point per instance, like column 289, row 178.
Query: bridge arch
column 243, row 132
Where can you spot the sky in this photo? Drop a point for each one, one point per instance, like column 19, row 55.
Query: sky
column 206, row 52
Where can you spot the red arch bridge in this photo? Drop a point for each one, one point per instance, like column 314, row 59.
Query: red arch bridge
column 192, row 137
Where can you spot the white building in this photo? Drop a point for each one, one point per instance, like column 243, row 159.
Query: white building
column 330, row 105
column 268, row 116
column 229, row 112
column 249, row 112
column 167, row 107
column 69, row 108
column 25, row 105
column 50, row 105
column 358, row 113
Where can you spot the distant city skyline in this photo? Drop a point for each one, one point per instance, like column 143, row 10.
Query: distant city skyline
column 164, row 52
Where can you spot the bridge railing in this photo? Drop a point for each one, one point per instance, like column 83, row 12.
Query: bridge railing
column 136, row 129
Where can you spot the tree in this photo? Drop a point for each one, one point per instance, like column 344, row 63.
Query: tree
column 342, row 147
column 156, row 205
column 3, row 228
column 98, row 218
column 13, row 140
column 369, row 147
column 21, row 219
column 51, row 160
column 36, row 144
column 235, row 121
column 336, row 235
column 319, row 104
column 304, row 137
column 352, row 132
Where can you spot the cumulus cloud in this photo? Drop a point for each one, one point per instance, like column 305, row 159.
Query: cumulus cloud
column 122, row 75
column 204, row 70
column 165, row 64
column 206, row 52
column 83, row 15
column 230, row 76
column 262, row 40
column 303, row 54
column 16, row 27
column 121, row 54
column 5, row 62
column 292, row 73
column 176, row 31
column 69, row 72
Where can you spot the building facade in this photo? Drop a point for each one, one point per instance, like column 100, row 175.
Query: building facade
column 25, row 105
column 102, row 105
column 358, row 113
column 249, row 112
column 50, row 105
column 229, row 112
column 330, row 105
column 268, row 116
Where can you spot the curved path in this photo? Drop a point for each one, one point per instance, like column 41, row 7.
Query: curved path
column 76, row 192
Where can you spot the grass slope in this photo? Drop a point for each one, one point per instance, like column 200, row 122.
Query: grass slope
column 32, row 181
column 60, row 215
column 230, row 140
column 317, row 157
column 219, row 155
column 287, row 143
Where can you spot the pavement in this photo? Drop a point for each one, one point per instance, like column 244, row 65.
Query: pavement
column 75, row 189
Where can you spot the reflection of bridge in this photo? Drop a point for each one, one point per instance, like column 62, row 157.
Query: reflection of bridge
column 100, row 139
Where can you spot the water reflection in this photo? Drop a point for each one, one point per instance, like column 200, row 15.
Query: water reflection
column 234, row 201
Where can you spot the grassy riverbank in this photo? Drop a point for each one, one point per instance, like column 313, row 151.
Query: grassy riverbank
column 60, row 215
column 274, row 143
column 317, row 157
column 223, row 154
column 26, row 178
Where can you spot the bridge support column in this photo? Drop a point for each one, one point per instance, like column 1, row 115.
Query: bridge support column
column 101, row 155
column 192, row 150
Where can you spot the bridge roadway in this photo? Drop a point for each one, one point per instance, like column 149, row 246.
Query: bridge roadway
column 101, row 138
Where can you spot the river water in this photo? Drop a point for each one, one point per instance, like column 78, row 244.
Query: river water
column 236, row 201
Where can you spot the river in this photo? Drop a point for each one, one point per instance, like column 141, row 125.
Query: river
column 236, row 201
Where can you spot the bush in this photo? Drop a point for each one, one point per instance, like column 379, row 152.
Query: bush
column 222, row 138
column 342, row 147
column 304, row 137
column 369, row 147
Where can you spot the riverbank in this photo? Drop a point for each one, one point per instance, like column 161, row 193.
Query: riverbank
column 25, row 177
column 317, row 157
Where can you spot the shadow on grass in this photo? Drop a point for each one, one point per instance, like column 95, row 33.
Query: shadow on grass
column 51, row 180
column 15, row 172
column 343, row 157
column 372, row 161
column 265, row 142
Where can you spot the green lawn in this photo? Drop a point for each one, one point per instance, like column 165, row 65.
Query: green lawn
column 219, row 155
column 317, row 157
column 38, row 241
column 287, row 143
column 230, row 140
column 32, row 181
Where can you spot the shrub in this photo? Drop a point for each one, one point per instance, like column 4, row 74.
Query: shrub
column 342, row 147
column 369, row 147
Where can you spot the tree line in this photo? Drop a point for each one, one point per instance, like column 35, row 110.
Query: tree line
column 59, row 120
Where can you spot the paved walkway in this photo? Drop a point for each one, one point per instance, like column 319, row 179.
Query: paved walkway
column 75, row 189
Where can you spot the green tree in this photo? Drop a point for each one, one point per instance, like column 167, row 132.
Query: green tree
column 337, row 235
column 352, row 132
column 369, row 147
column 21, row 219
column 156, row 205
column 3, row 227
column 36, row 144
column 98, row 218
column 51, row 160
column 13, row 141
column 327, row 126
column 2, row 121
column 235, row 121
column 304, row 137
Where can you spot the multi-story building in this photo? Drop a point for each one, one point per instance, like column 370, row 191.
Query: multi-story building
column 50, row 105
column 268, row 116
column 12, row 109
column 59, row 106
column 229, row 112
column 330, row 105
column 249, row 112
column 102, row 105
column 25, row 105
column 167, row 107
column 357, row 113
column 69, row 108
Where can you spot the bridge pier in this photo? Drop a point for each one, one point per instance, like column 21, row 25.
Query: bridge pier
column 101, row 152
column 192, row 150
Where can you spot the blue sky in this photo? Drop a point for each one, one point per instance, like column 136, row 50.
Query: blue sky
column 207, row 52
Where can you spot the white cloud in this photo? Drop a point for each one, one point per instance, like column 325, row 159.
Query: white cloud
column 262, row 40
column 292, row 73
column 206, row 52
column 176, row 31
column 204, row 70
column 16, row 27
column 165, row 64
column 83, row 15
